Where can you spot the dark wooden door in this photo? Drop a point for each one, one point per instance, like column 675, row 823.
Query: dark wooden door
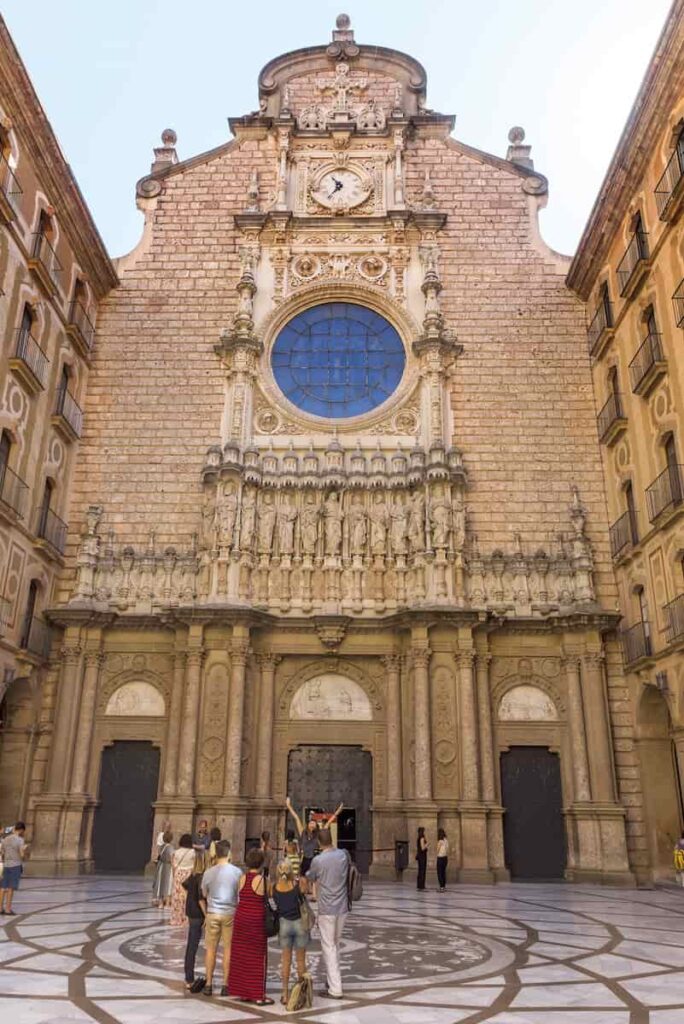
column 534, row 834
column 319, row 777
column 122, row 833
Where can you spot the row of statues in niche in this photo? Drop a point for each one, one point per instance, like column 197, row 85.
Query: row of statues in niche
column 355, row 523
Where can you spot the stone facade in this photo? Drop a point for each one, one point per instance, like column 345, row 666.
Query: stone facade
column 629, row 269
column 430, row 581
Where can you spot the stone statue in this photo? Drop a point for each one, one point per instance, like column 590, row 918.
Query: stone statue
column 358, row 530
column 332, row 512
column 440, row 519
column 208, row 522
column 398, row 516
column 226, row 514
column 267, row 518
column 416, row 522
column 378, row 529
column 248, row 519
column 308, row 524
column 287, row 516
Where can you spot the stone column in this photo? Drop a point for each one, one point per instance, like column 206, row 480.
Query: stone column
column 188, row 736
column 578, row 739
column 93, row 663
column 239, row 651
column 469, row 727
column 267, row 663
column 484, row 707
column 421, row 723
column 392, row 665
column 174, row 723
column 68, row 696
column 597, row 728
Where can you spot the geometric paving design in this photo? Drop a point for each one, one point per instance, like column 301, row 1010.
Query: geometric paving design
column 93, row 949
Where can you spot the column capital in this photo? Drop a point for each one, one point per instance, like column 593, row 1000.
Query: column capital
column 266, row 659
column 570, row 661
column 94, row 657
column 420, row 656
column 392, row 662
column 194, row 656
column 70, row 653
column 465, row 658
column 483, row 660
column 239, row 651
column 593, row 658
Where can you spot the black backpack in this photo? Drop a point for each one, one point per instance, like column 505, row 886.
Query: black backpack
column 354, row 883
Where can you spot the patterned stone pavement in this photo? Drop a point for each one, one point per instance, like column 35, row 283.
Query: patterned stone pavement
column 93, row 949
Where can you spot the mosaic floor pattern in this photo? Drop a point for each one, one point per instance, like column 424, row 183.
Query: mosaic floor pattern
column 93, row 949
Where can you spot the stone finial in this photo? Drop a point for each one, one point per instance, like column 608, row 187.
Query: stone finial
column 517, row 153
column 165, row 155
column 343, row 32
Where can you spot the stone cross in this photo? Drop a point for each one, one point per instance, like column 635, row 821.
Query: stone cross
column 342, row 85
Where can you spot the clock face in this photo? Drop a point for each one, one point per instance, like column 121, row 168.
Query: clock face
column 341, row 189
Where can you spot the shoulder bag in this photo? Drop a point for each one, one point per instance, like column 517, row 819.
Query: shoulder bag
column 271, row 916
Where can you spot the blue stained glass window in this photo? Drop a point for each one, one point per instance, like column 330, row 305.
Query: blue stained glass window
column 338, row 359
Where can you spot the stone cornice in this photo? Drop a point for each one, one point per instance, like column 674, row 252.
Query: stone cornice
column 50, row 167
column 661, row 88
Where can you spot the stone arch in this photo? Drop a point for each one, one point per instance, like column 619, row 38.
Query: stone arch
column 327, row 667
column 659, row 769
column 134, row 675
column 524, row 701
column 136, row 699
column 535, row 682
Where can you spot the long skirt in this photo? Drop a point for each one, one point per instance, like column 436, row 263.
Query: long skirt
column 179, row 897
column 163, row 881
column 247, row 977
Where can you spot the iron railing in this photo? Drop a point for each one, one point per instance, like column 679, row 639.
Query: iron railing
column 79, row 317
column 623, row 534
column 31, row 354
column 601, row 321
column 678, row 303
column 37, row 638
column 9, row 186
column 647, row 355
column 636, row 642
column 635, row 253
column 665, row 492
column 669, row 183
column 68, row 408
column 51, row 528
column 13, row 491
column 675, row 619
column 610, row 414
column 43, row 251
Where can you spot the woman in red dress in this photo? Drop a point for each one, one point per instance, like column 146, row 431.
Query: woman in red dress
column 247, row 977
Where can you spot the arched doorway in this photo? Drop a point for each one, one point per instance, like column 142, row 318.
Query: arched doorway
column 320, row 776
column 122, row 831
column 660, row 779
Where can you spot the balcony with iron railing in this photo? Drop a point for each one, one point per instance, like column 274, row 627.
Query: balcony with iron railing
column 80, row 328
column 648, row 365
column 611, row 420
column 36, row 638
column 634, row 265
column 668, row 191
column 666, row 492
column 678, row 303
column 13, row 494
column 600, row 330
column 50, row 530
column 636, row 642
column 675, row 620
column 5, row 611
column 68, row 415
column 44, row 263
column 29, row 362
column 623, row 534
column 10, row 191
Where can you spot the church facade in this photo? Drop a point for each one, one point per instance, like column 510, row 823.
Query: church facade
column 338, row 523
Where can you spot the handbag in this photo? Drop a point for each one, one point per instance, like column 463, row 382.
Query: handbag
column 306, row 914
column 271, row 918
column 301, row 996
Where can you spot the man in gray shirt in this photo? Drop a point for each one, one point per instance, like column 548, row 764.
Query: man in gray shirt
column 13, row 848
column 330, row 869
column 220, row 887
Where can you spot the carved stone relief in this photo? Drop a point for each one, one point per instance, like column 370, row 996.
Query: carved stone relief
column 136, row 699
column 213, row 729
column 329, row 697
column 527, row 703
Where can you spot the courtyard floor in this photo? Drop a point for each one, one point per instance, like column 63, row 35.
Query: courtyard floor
column 89, row 948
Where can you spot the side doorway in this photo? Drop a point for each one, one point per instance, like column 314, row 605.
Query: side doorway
column 534, row 831
column 122, row 830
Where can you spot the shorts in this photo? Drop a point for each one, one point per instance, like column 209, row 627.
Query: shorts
column 10, row 877
column 305, row 865
column 292, row 934
column 218, row 926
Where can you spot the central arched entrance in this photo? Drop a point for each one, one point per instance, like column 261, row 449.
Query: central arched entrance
column 660, row 778
column 322, row 775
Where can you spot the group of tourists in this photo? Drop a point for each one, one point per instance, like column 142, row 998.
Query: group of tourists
column 422, row 847
column 238, row 910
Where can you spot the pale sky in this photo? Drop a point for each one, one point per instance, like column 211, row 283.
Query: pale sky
column 112, row 75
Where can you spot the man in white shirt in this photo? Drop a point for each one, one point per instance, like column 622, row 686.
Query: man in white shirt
column 220, row 887
column 330, row 871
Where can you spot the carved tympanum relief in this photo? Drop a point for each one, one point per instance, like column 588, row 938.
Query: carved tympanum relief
column 137, row 699
column 527, row 703
column 331, row 697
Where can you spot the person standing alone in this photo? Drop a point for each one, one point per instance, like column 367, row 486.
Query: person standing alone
column 421, row 857
column 330, row 872
column 13, row 848
column 442, row 858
